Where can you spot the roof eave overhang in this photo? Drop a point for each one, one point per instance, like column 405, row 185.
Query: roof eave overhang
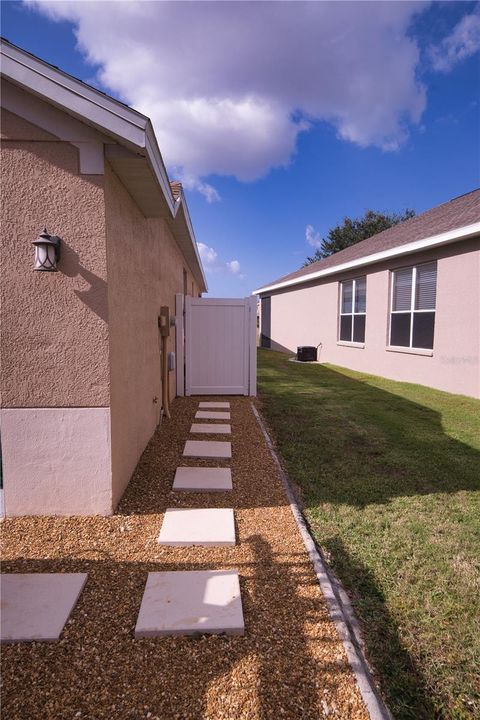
column 142, row 169
column 451, row 236
column 73, row 97
column 182, row 228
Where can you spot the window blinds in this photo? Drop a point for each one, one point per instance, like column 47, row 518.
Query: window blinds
column 426, row 287
column 347, row 293
column 361, row 295
column 402, row 290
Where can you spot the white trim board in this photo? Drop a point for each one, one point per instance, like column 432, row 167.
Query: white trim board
column 450, row 236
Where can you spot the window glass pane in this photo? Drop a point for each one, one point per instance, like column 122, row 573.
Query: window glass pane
column 423, row 327
column 426, row 287
column 347, row 289
column 361, row 294
column 402, row 289
column 346, row 327
column 400, row 329
column 359, row 328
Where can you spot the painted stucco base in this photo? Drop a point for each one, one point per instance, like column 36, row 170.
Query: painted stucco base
column 56, row 461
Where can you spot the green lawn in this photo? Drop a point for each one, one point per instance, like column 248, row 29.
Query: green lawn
column 389, row 478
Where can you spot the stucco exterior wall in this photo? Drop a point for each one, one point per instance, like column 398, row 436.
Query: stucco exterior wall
column 80, row 351
column 54, row 344
column 309, row 315
column 145, row 271
column 14, row 127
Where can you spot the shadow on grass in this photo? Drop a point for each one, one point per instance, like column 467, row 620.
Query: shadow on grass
column 384, row 471
column 351, row 442
column 400, row 678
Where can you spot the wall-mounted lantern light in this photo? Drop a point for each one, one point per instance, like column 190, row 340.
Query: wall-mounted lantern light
column 47, row 252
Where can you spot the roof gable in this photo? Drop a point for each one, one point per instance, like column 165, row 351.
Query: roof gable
column 134, row 153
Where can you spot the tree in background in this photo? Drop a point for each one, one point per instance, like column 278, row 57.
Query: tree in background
column 351, row 232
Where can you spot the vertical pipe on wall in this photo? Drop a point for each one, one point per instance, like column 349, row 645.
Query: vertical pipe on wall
column 164, row 325
column 180, row 343
column 165, row 383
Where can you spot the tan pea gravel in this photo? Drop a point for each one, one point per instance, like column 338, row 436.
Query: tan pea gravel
column 289, row 664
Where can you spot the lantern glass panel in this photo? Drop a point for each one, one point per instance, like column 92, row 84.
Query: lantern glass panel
column 51, row 256
column 45, row 257
column 40, row 256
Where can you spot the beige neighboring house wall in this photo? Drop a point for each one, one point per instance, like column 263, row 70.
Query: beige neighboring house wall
column 308, row 314
column 80, row 348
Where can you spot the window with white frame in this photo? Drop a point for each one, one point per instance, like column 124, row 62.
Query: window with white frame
column 353, row 307
column 412, row 316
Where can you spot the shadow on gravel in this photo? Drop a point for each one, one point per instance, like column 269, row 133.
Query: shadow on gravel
column 98, row 670
column 150, row 489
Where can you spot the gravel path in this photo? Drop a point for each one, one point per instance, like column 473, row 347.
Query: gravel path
column 289, row 664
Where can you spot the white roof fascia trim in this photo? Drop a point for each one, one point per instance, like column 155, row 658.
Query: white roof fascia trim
column 181, row 201
column 71, row 94
column 430, row 242
column 155, row 157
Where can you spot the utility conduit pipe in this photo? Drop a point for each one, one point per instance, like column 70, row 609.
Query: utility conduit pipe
column 164, row 326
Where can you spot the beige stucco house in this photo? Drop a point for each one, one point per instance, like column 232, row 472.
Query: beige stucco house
column 403, row 304
column 81, row 376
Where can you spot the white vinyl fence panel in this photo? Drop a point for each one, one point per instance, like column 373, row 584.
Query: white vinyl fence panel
column 220, row 352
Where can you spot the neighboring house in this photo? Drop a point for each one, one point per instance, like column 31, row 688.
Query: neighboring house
column 403, row 304
column 80, row 348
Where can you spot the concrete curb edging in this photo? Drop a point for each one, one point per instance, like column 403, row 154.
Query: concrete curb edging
column 338, row 603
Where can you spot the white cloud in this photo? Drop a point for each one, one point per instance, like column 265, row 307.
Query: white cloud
column 313, row 237
column 191, row 182
column 213, row 264
column 463, row 42
column 230, row 86
column 234, row 266
column 208, row 255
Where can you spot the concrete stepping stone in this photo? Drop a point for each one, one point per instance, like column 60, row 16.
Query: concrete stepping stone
column 211, row 428
column 211, row 415
column 199, row 478
column 216, row 449
column 213, row 404
column 194, row 602
column 197, row 526
column 36, row 606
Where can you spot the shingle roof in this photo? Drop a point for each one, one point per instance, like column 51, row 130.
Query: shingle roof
column 459, row 212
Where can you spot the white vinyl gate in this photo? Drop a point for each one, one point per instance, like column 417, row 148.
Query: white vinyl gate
column 220, row 346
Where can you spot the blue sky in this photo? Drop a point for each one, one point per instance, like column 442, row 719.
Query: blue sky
column 280, row 116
